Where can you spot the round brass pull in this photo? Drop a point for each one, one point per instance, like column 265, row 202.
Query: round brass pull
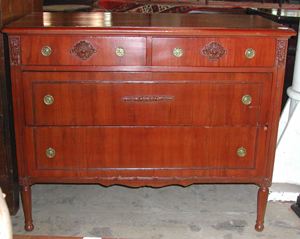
column 48, row 99
column 50, row 153
column 250, row 53
column 120, row 51
column 46, row 51
column 247, row 99
column 177, row 52
column 241, row 152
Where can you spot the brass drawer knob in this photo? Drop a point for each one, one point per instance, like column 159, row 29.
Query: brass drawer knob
column 250, row 53
column 46, row 51
column 48, row 99
column 177, row 52
column 241, row 152
column 50, row 153
column 120, row 51
column 247, row 99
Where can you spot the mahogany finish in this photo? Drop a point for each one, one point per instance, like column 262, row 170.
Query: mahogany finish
column 9, row 10
column 108, row 98
column 146, row 99
column 194, row 51
column 99, row 50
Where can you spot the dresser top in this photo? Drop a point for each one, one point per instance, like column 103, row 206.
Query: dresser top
column 131, row 23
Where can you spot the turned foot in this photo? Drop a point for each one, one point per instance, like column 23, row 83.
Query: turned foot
column 29, row 227
column 26, row 202
column 262, row 198
column 259, row 227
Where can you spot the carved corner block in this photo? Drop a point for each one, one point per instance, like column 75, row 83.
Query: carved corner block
column 281, row 49
column 15, row 50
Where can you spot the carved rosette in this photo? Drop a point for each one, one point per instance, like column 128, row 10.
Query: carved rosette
column 83, row 49
column 213, row 51
column 25, row 181
column 281, row 52
column 15, row 50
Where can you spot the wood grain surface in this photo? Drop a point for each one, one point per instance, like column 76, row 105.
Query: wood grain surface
column 170, row 110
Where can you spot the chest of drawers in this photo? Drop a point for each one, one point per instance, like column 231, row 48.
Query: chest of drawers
column 146, row 100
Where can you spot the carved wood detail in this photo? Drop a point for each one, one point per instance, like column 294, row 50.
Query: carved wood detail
column 15, row 50
column 213, row 51
column 281, row 51
column 83, row 49
column 25, row 181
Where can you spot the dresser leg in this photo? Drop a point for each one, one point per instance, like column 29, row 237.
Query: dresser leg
column 26, row 202
column 262, row 198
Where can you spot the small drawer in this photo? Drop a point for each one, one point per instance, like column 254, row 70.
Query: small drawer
column 83, row 148
column 76, row 50
column 248, row 52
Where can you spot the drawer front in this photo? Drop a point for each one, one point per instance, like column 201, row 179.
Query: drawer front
column 248, row 52
column 94, row 148
column 75, row 50
column 146, row 103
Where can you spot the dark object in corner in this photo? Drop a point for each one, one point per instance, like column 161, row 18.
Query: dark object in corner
column 296, row 206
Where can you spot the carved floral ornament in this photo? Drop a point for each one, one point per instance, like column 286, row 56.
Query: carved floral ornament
column 15, row 50
column 213, row 51
column 83, row 49
column 281, row 51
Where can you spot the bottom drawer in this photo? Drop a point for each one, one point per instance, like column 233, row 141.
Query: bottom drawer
column 106, row 148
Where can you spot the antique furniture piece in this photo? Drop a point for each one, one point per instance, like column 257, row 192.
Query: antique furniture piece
column 288, row 18
column 9, row 10
column 133, row 99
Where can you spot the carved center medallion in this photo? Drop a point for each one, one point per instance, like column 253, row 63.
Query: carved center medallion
column 83, row 49
column 213, row 51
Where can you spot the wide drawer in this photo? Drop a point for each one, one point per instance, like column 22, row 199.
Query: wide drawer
column 143, row 147
column 83, row 50
column 248, row 52
column 156, row 102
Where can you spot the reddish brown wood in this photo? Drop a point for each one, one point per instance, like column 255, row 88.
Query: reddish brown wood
column 234, row 51
column 109, row 102
column 149, row 24
column 122, row 148
column 102, row 50
column 148, row 117
column 262, row 198
column 26, row 201
column 9, row 10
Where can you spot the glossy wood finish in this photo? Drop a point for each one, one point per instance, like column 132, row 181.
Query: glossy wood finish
column 9, row 10
column 149, row 24
column 109, row 100
column 64, row 50
column 262, row 199
column 122, row 148
column 152, row 120
column 233, row 51
column 26, row 201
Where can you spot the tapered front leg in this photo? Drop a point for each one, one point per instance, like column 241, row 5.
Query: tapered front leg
column 27, row 208
column 262, row 198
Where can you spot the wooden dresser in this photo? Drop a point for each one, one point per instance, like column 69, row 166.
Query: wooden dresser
column 9, row 11
column 146, row 99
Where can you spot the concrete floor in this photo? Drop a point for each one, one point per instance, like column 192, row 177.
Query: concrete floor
column 198, row 211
